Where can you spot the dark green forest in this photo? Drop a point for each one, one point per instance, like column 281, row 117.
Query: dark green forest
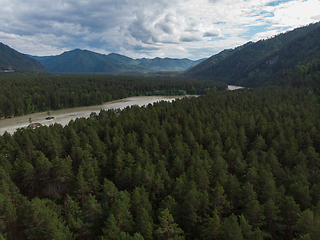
column 238, row 164
column 260, row 63
column 22, row 93
column 225, row 165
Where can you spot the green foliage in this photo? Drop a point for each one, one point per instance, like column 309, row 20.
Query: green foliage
column 261, row 63
column 197, row 168
column 231, row 228
column 167, row 228
column 26, row 94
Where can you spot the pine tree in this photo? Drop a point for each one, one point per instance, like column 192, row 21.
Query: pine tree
column 167, row 228
column 120, row 218
column 72, row 214
column 290, row 212
column 231, row 229
column 91, row 216
column 43, row 222
column 144, row 224
column 246, row 228
column 254, row 214
column 305, row 223
column 272, row 218
column 219, row 200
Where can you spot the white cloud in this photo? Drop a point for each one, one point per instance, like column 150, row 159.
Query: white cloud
column 144, row 28
column 294, row 13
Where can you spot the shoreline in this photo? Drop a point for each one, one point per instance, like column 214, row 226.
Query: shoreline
column 64, row 116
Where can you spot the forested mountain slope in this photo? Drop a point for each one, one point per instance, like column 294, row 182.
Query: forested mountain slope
column 168, row 64
column 256, row 64
column 301, row 51
column 307, row 75
column 238, row 164
column 84, row 61
column 11, row 59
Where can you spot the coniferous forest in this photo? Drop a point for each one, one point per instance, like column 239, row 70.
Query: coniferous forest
column 23, row 93
column 225, row 165
column 238, row 164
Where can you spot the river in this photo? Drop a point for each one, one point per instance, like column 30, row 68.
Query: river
column 231, row 87
column 63, row 116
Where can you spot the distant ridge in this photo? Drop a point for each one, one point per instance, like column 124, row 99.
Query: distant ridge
column 260, row 63
column 84, row 61
column 10, row 60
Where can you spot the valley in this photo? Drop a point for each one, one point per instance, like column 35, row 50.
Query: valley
column 131, row 158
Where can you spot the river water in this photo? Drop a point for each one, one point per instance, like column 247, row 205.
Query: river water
column 231, row 87
column 64, row 116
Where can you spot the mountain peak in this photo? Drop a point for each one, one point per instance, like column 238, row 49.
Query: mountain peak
column 12, row 59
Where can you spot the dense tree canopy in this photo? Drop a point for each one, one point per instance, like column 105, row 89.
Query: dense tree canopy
column 228, row 165
column 20, row 94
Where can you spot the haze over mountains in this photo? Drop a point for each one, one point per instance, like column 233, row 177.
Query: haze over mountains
column 251, row 65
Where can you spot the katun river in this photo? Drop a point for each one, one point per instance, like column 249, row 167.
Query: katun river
column 63, row 116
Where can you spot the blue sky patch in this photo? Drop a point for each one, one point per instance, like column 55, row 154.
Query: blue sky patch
column 276, row 3
column 254, row 30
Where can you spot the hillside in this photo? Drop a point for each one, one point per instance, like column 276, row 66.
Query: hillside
column 256, row 64
column 84, row 61
column 301, row 50
column 11, row 59
column 168, row 64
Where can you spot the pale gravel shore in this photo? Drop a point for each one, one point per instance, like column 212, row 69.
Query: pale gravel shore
column 64, row 116
column 231, row 87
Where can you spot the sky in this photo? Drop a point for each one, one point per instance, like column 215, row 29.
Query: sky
column 191, row 29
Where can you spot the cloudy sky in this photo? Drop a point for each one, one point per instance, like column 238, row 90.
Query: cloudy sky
column 147, row 28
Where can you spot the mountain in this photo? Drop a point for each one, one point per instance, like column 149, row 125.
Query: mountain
column 302, row 50
column 84, row 61
column 80, row 61
column 10, row 59
column 257, row 64
column 168, row 64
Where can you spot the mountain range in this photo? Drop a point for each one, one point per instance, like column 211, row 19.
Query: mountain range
column 84, row 61
column 252, row 64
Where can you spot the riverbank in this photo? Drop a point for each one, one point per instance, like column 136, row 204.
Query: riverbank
column 232, row 87
column 64, row 116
